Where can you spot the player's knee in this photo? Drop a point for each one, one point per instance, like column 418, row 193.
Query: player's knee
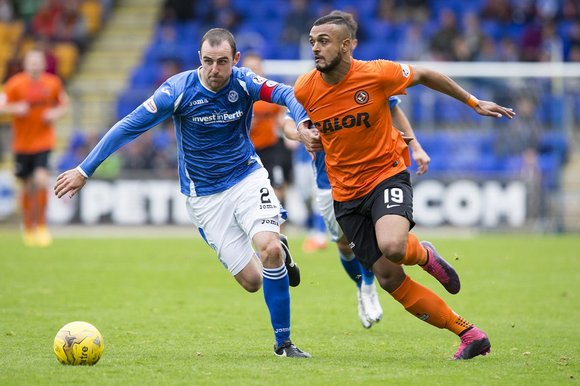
column 253, row 286
column 343, row 247
column 394, row 249
column 391, row 279
column 252, row 283
column 41, row 177
column 271, row 253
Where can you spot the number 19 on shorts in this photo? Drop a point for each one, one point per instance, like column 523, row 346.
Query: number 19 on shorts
column 393, row 197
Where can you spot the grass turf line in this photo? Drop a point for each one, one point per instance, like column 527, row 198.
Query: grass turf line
column 171, row 314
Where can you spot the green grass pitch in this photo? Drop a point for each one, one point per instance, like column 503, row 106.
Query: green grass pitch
column 170, row 314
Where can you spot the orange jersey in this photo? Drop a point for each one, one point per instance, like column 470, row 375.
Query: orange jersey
column 263, row 132
column 354, row 120
column 30, row 133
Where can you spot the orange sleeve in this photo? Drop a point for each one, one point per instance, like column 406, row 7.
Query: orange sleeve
column 11, row 90
column 396, row 77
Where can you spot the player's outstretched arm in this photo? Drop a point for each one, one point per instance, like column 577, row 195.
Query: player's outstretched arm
column 71, row 182
column 442, row 83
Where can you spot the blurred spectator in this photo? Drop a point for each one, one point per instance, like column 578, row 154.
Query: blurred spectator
column 441, row 43
column 574, row 42
column 552, row 46
column 525, row 132
column 251, row 41
column 167, row 69
column 138, row 155
column 520, row 148
column 79, row 146
column 177, row 11
column 70, row 25
column 6, row 11
column 387, row 11
column 26, row 9
column 45, row 45
column 44, row 22
column 221, row 13
column 167, row 45
column 500, row 10
column 508, row 50
column 473, row 35
column 488, row 51
column 77, row 150
column 570, row 10
column 297, row 22
column 164, row 150
column 413, row 46
column 530, row 44
column 461, row 52
column 413, row 10
column 574, row 55
column 548, row 9
column 524, row 11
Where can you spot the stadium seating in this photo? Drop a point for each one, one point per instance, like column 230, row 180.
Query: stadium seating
column 92, row 11
column 471, row 151
column 67, row 55
column 462, row 150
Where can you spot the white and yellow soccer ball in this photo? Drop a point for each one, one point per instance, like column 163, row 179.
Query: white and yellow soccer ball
column 78, row 343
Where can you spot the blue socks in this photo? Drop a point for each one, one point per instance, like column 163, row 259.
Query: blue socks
column 368, row 276
column 352, row 267
column 277, row 296
column 355, row 270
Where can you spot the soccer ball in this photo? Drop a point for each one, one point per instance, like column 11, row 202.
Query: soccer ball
column 78, row 343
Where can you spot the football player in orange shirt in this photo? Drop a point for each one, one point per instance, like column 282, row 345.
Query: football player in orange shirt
column 35, row 99
column 366, row 160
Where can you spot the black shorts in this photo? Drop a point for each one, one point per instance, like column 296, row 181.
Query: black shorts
column 277, row 159
column 357, row 218
column 25, row 164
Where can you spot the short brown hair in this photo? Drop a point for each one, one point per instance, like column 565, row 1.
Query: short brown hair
column 216, row 36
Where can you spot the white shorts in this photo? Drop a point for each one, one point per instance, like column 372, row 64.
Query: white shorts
column 326, row 207
column 229, row 220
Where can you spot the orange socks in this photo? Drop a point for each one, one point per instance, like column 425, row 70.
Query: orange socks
column 427, row 306
column 34, row 208
column 41, row 203
column 27, row 210
column 416, row 253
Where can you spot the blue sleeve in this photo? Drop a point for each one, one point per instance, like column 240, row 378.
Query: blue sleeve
column 284, row 95
column 267, row 90
column 150, row 113
column 394, row 101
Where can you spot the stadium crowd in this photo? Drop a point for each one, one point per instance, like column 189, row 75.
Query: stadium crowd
column 479, row 30
column 61, row 28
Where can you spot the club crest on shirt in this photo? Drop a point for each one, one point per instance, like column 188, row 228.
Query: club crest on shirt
column 233, row 96
column 150, row 105
column 361, row 97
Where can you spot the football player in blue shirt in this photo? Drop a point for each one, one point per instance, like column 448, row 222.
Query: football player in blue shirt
column 229, row 196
